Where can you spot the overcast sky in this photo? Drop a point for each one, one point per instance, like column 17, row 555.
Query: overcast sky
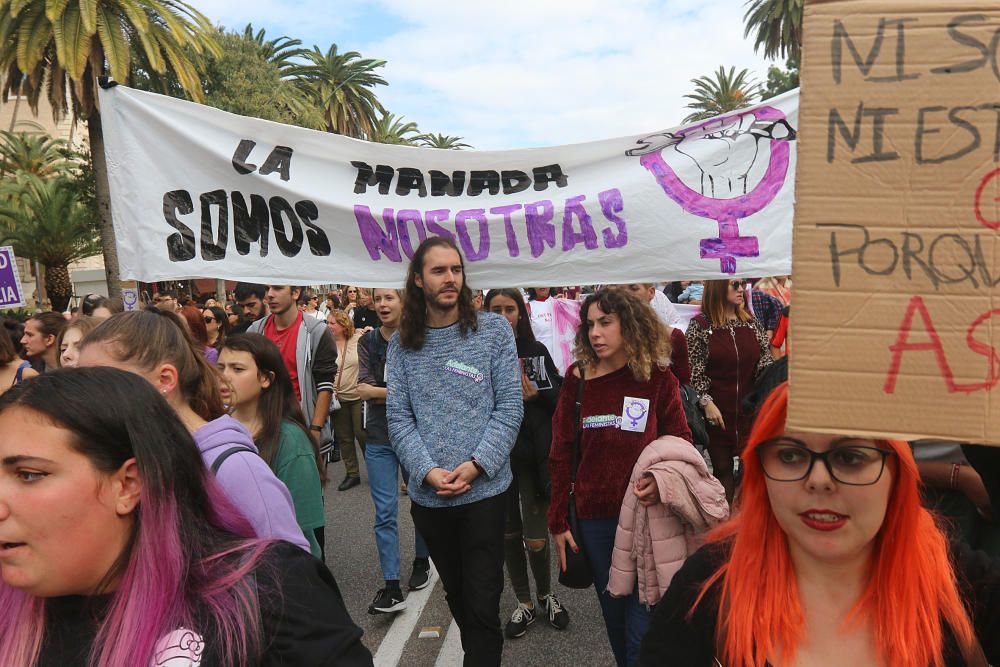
column 522, row 73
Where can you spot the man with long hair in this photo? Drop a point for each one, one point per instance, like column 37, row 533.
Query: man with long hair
column 454, row 407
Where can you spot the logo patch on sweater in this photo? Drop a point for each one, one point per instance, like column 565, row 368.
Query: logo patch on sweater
column 634, row 413
column 180, row 648
column 602, row 421
column 465, row 370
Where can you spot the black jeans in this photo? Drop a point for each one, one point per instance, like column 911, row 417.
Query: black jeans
column 466, row 545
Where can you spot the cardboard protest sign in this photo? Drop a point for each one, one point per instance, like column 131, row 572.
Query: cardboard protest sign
column 896, row 324
column 200, row 192
column 11, row 295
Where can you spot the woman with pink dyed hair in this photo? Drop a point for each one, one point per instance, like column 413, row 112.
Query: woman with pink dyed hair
column 119, row 549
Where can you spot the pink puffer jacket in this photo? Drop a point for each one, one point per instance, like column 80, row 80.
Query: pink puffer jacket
column 651, row 543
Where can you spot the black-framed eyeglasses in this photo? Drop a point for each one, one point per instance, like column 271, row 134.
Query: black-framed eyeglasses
column 737, row 284
column 849, row 461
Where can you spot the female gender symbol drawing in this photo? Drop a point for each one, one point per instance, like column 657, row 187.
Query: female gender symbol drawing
column 726, row 151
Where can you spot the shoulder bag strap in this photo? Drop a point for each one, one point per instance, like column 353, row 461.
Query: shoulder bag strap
column 577, row 428
column 340, row 364
column 221, row 458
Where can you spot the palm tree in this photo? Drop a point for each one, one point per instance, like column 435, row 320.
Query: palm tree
column 392, row 129
column 281, row 51
column 37, row 154
column 777, row 25
column 47, row 45
column 443, row 141
column 44, row 221
column 721, row 93
column 342, row 84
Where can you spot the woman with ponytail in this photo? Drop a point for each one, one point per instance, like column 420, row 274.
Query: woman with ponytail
column 118, row 548
column 830, row 558
column 156, row 345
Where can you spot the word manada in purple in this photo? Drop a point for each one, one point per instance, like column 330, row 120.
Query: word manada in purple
column 534, row 223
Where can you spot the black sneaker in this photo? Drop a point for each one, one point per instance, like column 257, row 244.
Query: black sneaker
column 519, row 621
column 558, row 616
column 387, row 602
column 421, row 575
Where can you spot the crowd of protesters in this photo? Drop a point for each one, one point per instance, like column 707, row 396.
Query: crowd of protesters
column 183, row 450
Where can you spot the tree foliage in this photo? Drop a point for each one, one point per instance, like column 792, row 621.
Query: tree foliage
column 782, row 80
column 342, row 85
column 393, row 129
column 248, row 78
column 47, row 45
column 442, row 141
column 776, row 26
column 43, row 220
column 37, row 154
column 720, row 93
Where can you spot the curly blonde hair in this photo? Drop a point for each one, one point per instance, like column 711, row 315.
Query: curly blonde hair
column 647, row 342
column 344, row 321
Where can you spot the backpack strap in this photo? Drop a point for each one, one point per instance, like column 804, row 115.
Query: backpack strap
column 19, row 375
column 221, row 458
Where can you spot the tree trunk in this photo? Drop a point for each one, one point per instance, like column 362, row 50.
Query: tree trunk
column 59, row 286
column 220, row 292
column 96, row 133
column 17, row 103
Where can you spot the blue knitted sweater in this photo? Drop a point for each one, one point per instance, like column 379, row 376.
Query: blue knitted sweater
column 455, row 399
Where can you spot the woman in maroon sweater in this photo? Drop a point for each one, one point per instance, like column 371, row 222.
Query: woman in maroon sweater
column 630, row 398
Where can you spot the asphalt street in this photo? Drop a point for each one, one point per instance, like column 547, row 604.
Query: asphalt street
column 395, row 639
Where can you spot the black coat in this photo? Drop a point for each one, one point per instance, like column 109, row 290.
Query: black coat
column 534, row 439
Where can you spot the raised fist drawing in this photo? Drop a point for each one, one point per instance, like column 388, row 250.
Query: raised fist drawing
column 730, row 154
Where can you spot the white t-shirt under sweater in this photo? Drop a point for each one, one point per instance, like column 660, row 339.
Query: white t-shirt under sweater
column 665, row 309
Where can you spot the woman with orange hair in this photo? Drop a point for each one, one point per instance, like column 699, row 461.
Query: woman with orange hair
column 829, row 559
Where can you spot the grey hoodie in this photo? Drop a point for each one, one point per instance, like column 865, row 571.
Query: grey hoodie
column 249, row 482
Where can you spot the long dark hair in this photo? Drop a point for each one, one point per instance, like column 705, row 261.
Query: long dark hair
column 413, row 325
column 523, row 330
column 190, row 553
column 148, row 338
column 276, row 402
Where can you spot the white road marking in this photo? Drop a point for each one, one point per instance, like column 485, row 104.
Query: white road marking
column 391, row 649
column 451, row 654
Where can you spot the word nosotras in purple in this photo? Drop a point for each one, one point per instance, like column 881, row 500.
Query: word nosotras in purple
column 402, row 231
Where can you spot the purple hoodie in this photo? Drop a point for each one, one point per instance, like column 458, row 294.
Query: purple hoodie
column 249, row 482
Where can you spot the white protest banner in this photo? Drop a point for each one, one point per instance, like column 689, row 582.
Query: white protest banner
column 200, row 192
column 11, row 295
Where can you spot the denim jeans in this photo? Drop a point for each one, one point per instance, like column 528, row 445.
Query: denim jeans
column 626, row 619
column 383, row 480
